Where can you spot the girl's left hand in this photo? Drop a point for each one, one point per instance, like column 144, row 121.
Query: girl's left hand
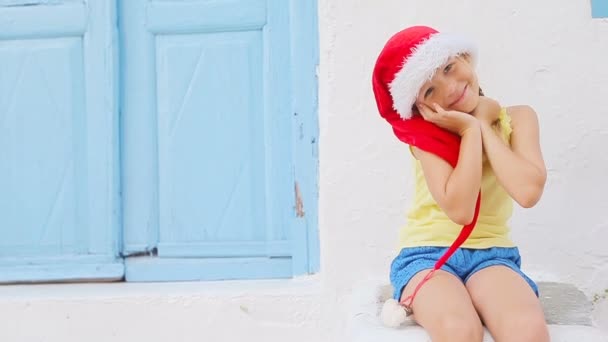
column 487, row 111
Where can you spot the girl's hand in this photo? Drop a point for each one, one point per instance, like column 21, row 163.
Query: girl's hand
column 487, row 111
column 451, row 120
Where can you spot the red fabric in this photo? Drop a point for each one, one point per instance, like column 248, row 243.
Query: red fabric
column 398, row 49
column 428, row 137
column 393, row 56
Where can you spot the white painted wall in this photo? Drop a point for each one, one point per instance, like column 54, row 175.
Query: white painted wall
column 546, row 53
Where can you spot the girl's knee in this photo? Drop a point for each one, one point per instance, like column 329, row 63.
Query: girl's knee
column 459, row 328
column 528, row 327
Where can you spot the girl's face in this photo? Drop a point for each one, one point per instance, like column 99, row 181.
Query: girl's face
column 454, row 86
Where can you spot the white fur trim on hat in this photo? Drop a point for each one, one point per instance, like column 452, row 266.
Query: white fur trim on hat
column 421, row 65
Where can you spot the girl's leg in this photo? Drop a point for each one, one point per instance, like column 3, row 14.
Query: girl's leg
column 444, row 308
column 507, row 305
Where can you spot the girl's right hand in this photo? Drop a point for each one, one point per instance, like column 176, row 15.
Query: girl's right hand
column 451, row 120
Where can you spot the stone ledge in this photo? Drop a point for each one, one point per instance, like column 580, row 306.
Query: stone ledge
column 367, row 331
column 567, row 309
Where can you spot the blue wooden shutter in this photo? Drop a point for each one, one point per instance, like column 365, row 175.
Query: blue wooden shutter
column 599, row 8
column 209, row 140
column 58, row 160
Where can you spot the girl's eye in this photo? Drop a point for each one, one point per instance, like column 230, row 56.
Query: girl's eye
column 447, row 68
column 428, row 92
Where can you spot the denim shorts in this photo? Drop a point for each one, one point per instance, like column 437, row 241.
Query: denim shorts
column 463, row 263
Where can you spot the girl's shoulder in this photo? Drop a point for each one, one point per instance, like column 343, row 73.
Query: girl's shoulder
column 520, row 111
column 521, row 115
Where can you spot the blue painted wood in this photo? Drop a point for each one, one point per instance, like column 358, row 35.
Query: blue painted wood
column 208, row 140
column 14, row 3
column 305, row 60
column 102, row 127
column 58, row 152
column 278, row 116
column 58, row 260
column 64, row 268
column 68, row 271
column 211, row 137
column 208, row 16
column 227, row 249
column 142, row 269
column 64, row 20
column 138, row 135
column 599, row 8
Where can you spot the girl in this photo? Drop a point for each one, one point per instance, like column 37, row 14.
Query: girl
column 472, row 159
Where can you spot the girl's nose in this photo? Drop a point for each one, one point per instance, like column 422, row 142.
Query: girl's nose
column 452, row 89
column 449, row 86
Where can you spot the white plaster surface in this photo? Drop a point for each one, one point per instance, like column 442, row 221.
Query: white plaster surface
column 600, row 314
column 546, row 53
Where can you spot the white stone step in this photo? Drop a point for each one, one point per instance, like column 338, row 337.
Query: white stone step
column 568, row 313
column 373, row 332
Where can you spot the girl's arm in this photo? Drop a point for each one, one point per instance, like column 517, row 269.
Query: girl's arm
column 454, row 189
column 519, row 168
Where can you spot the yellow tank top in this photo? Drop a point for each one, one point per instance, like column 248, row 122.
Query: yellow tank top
column 428, row 225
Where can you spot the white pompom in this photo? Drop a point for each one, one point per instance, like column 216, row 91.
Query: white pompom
column 393, row 314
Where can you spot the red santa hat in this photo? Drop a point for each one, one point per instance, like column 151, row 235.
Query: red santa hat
column 407, row 61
